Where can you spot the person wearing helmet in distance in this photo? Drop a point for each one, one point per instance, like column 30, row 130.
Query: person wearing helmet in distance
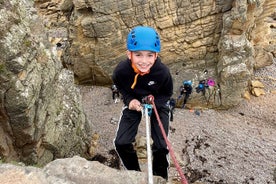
column 140, row 75
column 187, row 90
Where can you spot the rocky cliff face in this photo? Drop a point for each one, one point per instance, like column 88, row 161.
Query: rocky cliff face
column 227, row 38
column 41, row 115
column 71, row 171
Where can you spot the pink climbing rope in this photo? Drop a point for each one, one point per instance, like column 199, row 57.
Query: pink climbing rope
column 183, row 179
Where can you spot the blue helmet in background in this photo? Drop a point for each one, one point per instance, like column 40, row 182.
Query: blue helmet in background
column 187, row 82
column 200, row 86
column 143, row 38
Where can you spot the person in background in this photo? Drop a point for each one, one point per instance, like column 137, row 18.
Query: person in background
column 181, row 92
column 140, row 75
column 202, row 85
column 115, row 92
column 187, row 91
column 172, row 104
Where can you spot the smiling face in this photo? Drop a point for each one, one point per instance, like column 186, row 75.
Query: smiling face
column 142, row 60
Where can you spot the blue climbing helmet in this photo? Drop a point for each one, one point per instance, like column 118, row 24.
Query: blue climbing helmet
column 143, row 38
column 187, row 82
column 200, row 86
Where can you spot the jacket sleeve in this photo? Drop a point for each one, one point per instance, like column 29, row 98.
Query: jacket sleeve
column 120, row 81
column 166, row 90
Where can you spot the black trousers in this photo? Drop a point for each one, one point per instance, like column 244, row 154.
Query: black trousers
column 125, row 137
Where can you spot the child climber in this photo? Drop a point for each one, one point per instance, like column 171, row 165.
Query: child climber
column 140, row 75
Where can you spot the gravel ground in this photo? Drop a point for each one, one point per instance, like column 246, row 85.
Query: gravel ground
column 226, row 146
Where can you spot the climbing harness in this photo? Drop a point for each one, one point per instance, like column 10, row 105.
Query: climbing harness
column 148, row 111
column 150, row 100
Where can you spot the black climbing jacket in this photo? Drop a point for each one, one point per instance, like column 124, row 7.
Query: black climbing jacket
column 158, row 82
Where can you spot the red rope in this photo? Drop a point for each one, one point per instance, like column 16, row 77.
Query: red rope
column 183, row 179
